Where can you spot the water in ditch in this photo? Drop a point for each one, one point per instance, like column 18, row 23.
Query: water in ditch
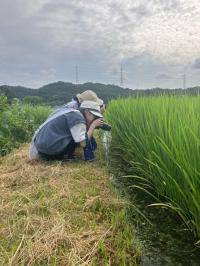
column 165, row 240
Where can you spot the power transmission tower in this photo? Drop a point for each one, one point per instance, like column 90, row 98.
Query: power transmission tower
column 76, row 72
column 121, row 77
column 184, row 80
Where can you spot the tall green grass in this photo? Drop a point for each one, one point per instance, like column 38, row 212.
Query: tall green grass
column 18, row 122
column 161, row 136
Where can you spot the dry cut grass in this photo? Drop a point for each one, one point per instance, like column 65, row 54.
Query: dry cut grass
column 54, row 213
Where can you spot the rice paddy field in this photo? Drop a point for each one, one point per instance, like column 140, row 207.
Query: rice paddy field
column 160, row 138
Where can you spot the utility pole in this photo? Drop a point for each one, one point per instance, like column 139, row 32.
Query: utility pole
column 76, row 73
column 121, row 77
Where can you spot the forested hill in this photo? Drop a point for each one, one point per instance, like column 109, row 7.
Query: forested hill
column 60, row 92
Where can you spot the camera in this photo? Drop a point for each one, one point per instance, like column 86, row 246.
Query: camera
column 105, row 127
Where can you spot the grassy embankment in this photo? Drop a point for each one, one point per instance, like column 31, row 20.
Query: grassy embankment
column 160, row 137
column 54, row 213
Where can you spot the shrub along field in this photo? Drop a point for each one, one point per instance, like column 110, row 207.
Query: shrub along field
column 161, row 137
column 18, row 122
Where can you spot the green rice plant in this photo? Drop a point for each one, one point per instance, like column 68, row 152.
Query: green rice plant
column 161, row 137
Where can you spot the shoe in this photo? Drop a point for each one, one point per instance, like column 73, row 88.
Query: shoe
column 67, row 158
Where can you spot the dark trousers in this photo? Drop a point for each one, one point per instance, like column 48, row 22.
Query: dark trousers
column 67, row 153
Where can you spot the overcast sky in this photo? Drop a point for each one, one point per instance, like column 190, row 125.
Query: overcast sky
column 41, row 41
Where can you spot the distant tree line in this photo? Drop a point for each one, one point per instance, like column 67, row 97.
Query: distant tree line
column 60, row 92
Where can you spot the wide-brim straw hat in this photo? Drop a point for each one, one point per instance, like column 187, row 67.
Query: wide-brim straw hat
column 89, row 95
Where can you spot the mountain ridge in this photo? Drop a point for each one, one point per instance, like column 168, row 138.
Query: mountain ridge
column 60, row 92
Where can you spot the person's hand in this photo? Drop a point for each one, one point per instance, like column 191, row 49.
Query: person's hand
column 97, row 123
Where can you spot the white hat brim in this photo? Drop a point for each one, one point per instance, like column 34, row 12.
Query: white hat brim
column 95, row 113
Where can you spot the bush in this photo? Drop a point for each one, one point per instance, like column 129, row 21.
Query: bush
column 18, row 123
column 34, row 100
column 3, row 102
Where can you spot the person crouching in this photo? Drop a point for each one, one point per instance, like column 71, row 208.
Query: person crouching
column 58, row 137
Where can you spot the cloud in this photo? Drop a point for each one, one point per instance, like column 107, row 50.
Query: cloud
column 168, row 31
column 162, row 75
column 39, row 34
column 196, row 64
column 50, row 71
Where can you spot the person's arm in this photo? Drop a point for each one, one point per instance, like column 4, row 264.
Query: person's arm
column 79, row 130
column 88, row 150
column 95, row 123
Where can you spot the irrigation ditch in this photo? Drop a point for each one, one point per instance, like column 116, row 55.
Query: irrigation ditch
column 165, row 239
